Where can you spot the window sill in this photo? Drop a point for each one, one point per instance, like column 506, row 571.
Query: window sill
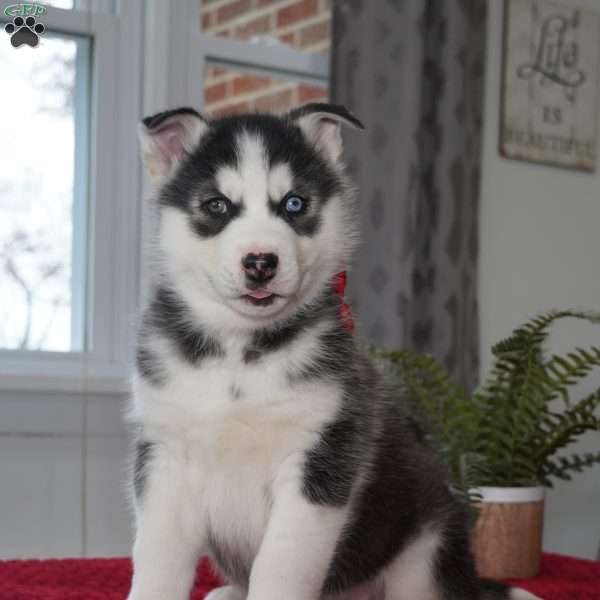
column 111, row 386
column 58, row 372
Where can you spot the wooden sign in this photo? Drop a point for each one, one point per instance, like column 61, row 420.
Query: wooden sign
column 550, row 84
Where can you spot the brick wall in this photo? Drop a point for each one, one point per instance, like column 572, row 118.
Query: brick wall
column 303, row 24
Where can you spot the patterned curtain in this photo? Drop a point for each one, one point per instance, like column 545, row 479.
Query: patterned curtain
column 412, row 70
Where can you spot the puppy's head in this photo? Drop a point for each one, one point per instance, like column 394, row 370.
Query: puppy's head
column 256, row 214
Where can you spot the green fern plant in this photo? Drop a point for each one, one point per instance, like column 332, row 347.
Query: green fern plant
column 509, row 431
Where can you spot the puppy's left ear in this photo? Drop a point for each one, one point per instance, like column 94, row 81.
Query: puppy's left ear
column 321, row 123
column 168, row 137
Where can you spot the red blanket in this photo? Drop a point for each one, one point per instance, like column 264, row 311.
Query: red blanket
column 562, row 578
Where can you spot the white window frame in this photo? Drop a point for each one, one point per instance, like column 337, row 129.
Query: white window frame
column 113, row 219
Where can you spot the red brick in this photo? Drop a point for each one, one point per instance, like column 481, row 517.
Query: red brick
column 226, row 94
column 297, row 12
column 274, row 102
column 309, row 93
column 258, row 26
column 214, row 93
column 230, row 11
column 288, row 38
column 313, row 34
column 249, row 83
column 230, row 109
column 210, row 76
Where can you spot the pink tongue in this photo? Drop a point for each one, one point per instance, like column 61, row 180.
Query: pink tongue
column 260, row 294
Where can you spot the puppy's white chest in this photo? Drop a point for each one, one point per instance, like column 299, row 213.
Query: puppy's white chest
column 234, row 429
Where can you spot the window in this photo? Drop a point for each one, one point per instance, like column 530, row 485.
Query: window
column 266, row 55
column 302, row 24
column 43, row 194
column 68, row 198
column 98, row 6
column 227, row 91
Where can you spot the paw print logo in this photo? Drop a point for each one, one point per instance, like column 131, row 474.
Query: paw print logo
column 24, row 31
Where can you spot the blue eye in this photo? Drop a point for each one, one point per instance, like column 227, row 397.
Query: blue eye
column 216, row 206
column 294, row 205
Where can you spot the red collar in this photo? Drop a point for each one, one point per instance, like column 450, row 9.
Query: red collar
column 339, row 285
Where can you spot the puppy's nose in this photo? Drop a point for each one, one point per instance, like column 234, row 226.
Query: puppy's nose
column 260, row 268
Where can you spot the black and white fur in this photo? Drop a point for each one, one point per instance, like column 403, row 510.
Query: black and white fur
column 265, row 439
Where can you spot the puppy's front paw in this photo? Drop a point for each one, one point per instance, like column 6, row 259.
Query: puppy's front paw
column 229, row 592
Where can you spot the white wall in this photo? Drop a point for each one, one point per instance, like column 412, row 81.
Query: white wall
column 62, row 476
column 540, row 249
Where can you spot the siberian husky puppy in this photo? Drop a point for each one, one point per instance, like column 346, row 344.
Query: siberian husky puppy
column 264, row 438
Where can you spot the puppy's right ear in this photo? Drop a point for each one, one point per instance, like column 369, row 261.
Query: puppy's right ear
column 168, row 137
